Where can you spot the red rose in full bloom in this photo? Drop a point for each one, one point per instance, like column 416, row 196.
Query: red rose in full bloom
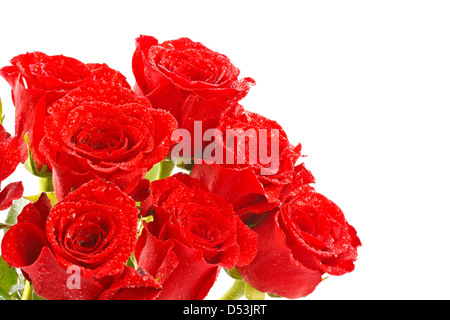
column 299, row 242
column 204, row 231
column 254, row 165
column 9, row 159
column 191, row 81
column 37, row 80
column 103, row 130
column 92, row 230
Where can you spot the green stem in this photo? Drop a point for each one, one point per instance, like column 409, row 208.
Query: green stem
column 233, row 273
column 46, row 184
column 253, row 294
column 27, row 291
column 235, row 292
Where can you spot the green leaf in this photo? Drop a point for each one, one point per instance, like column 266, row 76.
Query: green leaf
column 153, row 173
column 8, row 278
column 160, row 170
column 2, row 116
column 16, row 208
column 132, row 261
column 4, row 295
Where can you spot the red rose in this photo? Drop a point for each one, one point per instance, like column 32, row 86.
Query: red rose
column 103, row 130
column 204, row 231
column 187, row 79
column 252, row 169
column 37, row 80
column 9, row 159
column 93, row 230
column 299, row 242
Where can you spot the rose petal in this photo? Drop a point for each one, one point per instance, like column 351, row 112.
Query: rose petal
column 104, row 72
column 132, row 285
column 155, row 256
column 22, row 244
column 36, row 212
column 8, row 194
column 248, row 242
column 191, row 279
column 51, row 72
column 274, row 269
column 246, row 189
column 9, row 157
column 53, row 282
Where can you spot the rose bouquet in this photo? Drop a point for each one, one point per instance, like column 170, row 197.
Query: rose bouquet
column 149, row 192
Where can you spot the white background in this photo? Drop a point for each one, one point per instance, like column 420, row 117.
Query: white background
column 363, row 85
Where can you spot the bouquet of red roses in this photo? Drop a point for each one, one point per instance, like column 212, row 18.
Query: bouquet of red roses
column 148, row 192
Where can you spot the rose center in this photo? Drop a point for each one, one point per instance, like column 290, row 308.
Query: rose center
column 202, row 231
column 99, row 140
column 303, row 222
column 313, row 226
column 85, row 240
